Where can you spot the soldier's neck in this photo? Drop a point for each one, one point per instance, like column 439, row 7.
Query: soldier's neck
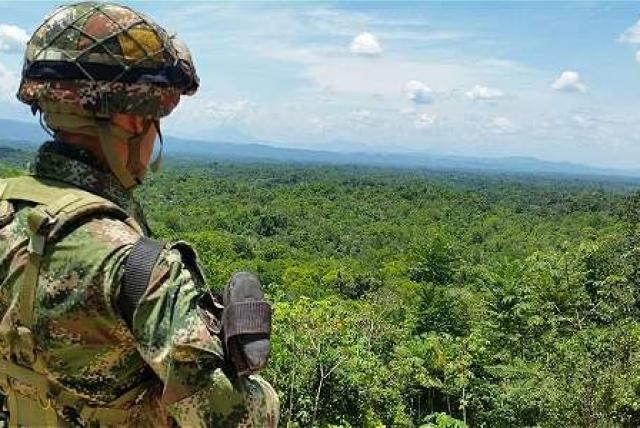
column 91, row 145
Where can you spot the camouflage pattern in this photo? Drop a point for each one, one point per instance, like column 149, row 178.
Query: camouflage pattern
column 69, row 33
column 80, row 169
column 173, row 346
column 82, row 96
column 83, row 40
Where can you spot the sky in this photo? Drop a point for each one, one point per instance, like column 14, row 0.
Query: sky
column 554, row 80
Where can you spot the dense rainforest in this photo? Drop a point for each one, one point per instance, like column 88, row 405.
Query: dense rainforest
column 408, row 298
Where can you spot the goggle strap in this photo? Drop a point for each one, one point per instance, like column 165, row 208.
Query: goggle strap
column 157, row 162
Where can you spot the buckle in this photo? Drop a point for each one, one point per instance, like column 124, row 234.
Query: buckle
column 102, row 104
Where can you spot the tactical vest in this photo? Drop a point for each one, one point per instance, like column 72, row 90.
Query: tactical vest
column 34, row 397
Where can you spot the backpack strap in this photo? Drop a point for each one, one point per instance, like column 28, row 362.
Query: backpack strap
column 137, row 273
column 62, row 200
column 58, row 204
column 116, row 412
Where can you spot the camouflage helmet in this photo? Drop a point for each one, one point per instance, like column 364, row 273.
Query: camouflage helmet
column 97, row 59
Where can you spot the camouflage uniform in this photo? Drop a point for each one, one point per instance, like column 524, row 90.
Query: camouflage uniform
column 173, row 347
column 70, row 354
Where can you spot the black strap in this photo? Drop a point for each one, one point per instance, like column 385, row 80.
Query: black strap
column 249, row 317
column 170, row 75
column 137, row 273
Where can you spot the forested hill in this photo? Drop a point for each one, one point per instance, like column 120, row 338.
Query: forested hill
column 414, row 297
column 17, row 133
column 411, row 298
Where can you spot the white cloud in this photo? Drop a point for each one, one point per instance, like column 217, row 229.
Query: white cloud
column 366, row 44
column 418, row 92
column 200, row 114
column 582, row 121
column 569, row 81
column 425, row 121
column 354, row 76
column 503, row 64
column 318, row 126
column 631, row 34
column 12, row 38
column 479, row 92
column 8, row 84
column 225, row 112
column 500, row 125
column 361, row 119
column 407, row 111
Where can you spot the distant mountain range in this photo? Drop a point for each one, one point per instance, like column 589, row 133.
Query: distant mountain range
column 25, row 134
column 14, row 130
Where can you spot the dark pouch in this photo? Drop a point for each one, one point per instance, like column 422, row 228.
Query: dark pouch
column 246, row 323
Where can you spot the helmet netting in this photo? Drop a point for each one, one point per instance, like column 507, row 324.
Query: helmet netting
column 128, row 43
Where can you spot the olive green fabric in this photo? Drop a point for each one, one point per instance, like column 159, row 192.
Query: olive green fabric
column 57, row 205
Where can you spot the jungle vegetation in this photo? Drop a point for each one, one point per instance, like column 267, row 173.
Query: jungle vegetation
column 415, row 298
column 406, row 298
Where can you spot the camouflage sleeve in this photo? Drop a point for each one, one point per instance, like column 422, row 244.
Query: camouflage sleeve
column 178, row 337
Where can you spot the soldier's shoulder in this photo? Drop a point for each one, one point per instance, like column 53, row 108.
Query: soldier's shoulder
column 184, row 253
column 98, row 237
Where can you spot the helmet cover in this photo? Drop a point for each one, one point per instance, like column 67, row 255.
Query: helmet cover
column 97, row 59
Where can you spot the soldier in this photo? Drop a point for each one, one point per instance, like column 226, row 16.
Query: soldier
column 101, row 325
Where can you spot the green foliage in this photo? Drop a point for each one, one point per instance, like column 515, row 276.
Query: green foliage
column 413, row 298
column 442, row 310
column 433, row 261
column 442, row 420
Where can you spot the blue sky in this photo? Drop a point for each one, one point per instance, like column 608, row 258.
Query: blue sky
column 558, row 81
